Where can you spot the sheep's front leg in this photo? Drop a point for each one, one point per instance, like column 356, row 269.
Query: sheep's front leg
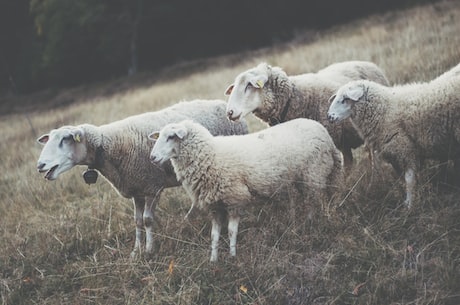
column 215, row 235
column 233, row 222
column 376, row 169
column 410, row 179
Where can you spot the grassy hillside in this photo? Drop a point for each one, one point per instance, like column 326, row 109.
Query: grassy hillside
column 64, row 242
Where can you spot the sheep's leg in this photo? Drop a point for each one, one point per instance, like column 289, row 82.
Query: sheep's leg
column 376, row 169
column 215, row 235
column 233, row 221
column 347, row 159
column 410, row 178
column 139, row 205
column 149, row 212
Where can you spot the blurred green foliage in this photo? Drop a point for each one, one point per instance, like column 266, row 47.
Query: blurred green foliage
column 58, row 43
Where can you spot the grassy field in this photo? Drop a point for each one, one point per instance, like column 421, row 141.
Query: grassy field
column 64, row 242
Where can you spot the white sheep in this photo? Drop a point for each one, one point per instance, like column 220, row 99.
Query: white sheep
column 223, row 174
column 275, row 97
column 120, row 152
column 405, row 124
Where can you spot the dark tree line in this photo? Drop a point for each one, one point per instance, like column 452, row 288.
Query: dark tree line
column 55, row 43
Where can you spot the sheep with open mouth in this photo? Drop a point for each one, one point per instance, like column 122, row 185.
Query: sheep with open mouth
column 119, row 151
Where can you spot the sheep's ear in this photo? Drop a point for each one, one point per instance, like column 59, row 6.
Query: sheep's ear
column 331, row 99
column 259, row 81
column 229, row 89
column 43, row 139
column 181, row 133
column 154, row 135
column 355, row 93
column 77, row 134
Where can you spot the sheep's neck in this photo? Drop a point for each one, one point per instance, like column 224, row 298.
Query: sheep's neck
column 272, row 121
column 100, row 161
column 368, row 119
column 280, row 104
column 189, row 162
column 98, row 158
column 194, row 171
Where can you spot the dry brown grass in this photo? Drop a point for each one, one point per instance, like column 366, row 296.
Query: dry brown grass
column 67, row 243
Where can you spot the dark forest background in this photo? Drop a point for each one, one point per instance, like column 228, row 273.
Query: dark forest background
column 61, row 43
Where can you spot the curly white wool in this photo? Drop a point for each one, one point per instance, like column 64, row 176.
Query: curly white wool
column 223, row 174
column 275, row 97
column 119, row 151
column 405, row 124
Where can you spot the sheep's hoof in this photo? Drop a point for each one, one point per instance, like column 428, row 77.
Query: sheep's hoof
column 135, row 255
column 407, row 204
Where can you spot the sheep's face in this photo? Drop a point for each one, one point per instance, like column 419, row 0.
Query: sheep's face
column 342, row 104
column 246, row 94
column 166, row 143
column 63, row 150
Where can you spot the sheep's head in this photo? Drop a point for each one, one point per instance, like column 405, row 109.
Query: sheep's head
column 246, row 94
column 343, row 102
column 63, row 149
column 167, row 142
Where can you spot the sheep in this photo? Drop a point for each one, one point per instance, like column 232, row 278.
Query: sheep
column 223, row 174
column 405, row 124
column 120, row 150
column 275, row 97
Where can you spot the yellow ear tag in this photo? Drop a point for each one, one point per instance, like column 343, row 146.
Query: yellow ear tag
column 77, row 138
column 260, row 83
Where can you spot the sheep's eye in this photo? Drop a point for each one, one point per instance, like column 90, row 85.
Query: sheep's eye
column 66, row 139
column 248, row 86
column 170, row 138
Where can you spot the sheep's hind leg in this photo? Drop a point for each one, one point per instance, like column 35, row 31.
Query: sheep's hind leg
column 215, row 235
column 233, row 221
column 410, row 186
column 219, row 215
column 139, row 205
column 347, row 159
column 149, row 212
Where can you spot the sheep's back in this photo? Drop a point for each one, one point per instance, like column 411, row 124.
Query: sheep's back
column 344, row 72
column 429, row 114
column 295, row 151
column 130, row 146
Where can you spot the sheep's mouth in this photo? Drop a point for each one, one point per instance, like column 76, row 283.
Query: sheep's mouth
column 49, row 172
column 234, row 118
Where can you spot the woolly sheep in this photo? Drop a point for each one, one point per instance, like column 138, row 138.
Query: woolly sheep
column 222, row 174
column 275, row 97
column 407, row 123
column 120, row 151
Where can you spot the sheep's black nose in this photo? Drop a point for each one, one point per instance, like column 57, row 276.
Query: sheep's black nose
column 40, row 165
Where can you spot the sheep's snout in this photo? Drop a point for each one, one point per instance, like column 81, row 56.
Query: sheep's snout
column 231, row 115
column 155, row 160
column 50, row 171
column 40, row 166
column 332, row 117
column 152, row 158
